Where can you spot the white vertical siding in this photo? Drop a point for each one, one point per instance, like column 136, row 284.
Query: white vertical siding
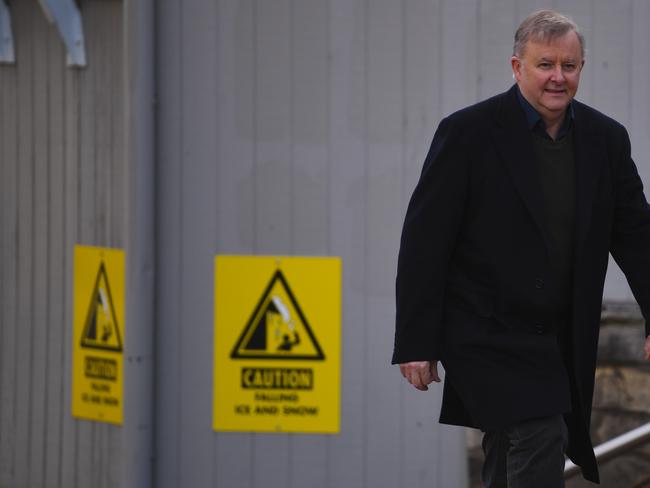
column 347, row 207
column 62, row 183
column 314, row 112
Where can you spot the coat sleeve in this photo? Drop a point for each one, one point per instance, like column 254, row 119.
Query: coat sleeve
column 429, row 234
column 630, row 244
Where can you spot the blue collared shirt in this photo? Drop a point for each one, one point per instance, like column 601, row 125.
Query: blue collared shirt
column 535, row 122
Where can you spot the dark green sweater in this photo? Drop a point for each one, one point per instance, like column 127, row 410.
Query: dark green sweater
column 556, row 170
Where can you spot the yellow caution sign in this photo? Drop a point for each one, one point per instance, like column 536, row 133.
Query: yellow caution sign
column 277, row 344
column 97, row 378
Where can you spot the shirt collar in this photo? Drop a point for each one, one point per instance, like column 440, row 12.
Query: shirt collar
column 535, row 122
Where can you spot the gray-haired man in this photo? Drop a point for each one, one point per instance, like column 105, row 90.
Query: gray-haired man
column 503, row 258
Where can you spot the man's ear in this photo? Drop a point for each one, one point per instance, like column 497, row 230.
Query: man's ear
column 515, row 63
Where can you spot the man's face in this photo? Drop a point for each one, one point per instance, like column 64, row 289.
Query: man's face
column 548, row 73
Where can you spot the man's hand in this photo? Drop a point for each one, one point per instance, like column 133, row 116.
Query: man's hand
column 646, row 348
column 422, row 373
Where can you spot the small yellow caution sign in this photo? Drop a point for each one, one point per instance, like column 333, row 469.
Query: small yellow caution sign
column 277, row 344
column 98, row 333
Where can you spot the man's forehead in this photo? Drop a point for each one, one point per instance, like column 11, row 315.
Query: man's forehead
column 554, row 46
column 554, row 56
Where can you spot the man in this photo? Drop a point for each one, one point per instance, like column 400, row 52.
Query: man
column 503, row 258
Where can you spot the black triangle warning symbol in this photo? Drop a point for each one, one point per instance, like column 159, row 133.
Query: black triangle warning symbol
column 101, row 330
column 277, row 328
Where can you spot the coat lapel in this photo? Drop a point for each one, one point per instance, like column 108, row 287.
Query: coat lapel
column 514, row 143
column 589, row 161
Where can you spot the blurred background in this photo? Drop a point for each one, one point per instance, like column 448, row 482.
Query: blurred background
column 182, row 129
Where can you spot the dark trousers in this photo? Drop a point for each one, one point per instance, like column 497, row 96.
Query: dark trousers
column 529, row 454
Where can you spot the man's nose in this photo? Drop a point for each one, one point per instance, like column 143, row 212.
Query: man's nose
column 558, row 74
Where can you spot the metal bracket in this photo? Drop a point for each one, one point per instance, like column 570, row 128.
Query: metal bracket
column 6, row 38
column 67, row 18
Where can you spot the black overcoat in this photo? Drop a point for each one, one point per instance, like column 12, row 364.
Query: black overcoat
column 474, row 277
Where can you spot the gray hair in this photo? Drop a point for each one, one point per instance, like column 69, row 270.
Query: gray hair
column 545, row 25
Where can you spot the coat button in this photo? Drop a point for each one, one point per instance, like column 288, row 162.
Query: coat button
column 539, row 283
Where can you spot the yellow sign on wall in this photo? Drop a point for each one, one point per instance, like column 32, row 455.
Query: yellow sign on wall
column 277, row 344
column 98, row 334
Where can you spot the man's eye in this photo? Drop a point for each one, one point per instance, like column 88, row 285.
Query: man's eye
column 569, row 67
column 545, row 65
